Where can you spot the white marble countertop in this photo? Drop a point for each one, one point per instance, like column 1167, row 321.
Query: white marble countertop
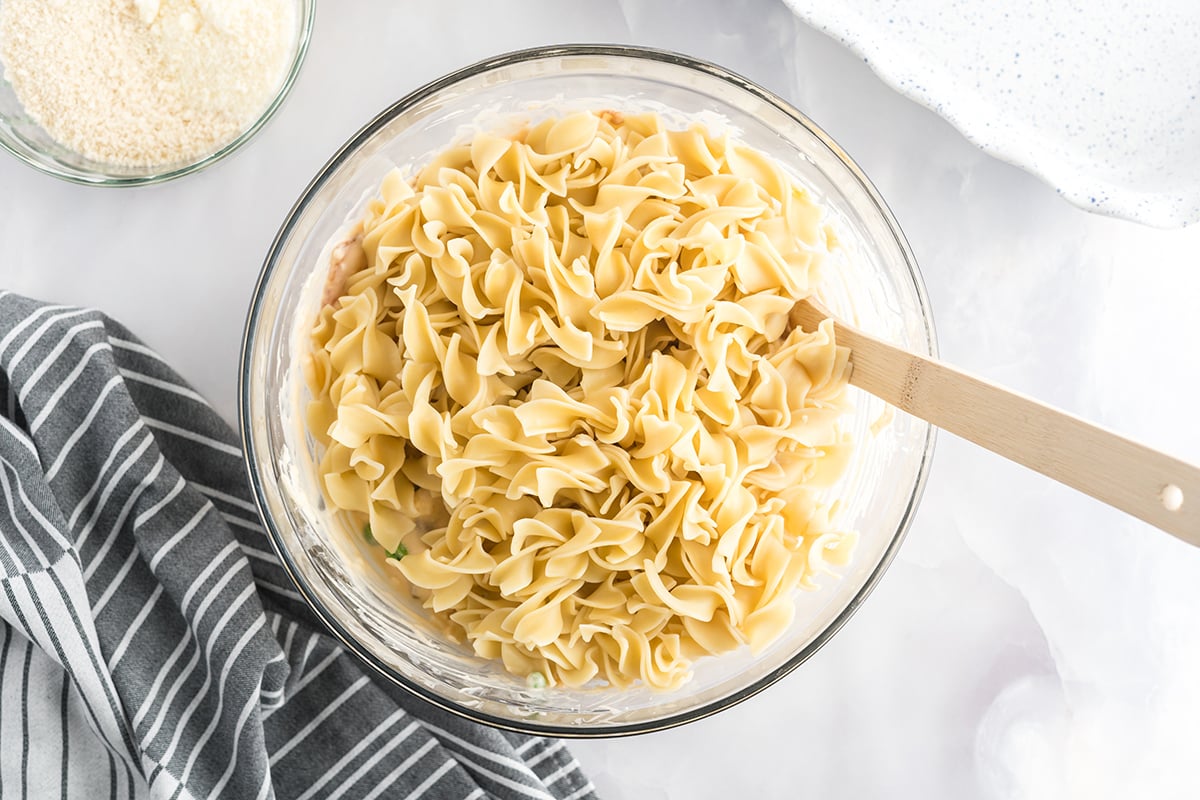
column 1027, row 642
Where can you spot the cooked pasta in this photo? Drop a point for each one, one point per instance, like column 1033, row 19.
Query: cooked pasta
column 555, row 380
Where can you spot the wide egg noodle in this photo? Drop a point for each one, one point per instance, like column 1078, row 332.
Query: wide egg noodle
column 562, row 389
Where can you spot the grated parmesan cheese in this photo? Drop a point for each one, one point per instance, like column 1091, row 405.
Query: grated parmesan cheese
column 146, row 82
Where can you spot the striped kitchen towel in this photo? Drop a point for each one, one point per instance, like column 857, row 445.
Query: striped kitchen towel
column 150, row 643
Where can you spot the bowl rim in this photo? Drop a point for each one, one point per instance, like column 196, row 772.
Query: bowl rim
column 271, row 263
column 27, row 155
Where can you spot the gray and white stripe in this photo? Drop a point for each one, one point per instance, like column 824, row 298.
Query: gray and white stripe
column 150, row 643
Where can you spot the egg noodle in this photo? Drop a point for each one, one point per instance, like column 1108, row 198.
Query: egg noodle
column 556, row 382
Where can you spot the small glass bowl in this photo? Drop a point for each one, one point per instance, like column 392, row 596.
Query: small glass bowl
column 361, row 600
column 26, row 140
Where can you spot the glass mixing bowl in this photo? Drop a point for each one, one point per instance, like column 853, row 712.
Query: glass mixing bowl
column 26, row 140
column 359, row 599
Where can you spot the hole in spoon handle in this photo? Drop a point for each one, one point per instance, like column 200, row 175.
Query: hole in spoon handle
column 1171, row 497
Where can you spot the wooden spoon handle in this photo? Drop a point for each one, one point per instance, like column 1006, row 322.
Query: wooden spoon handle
column 1150, row 485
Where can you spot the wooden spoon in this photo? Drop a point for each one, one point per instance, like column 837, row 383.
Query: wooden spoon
column 1150, row 485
